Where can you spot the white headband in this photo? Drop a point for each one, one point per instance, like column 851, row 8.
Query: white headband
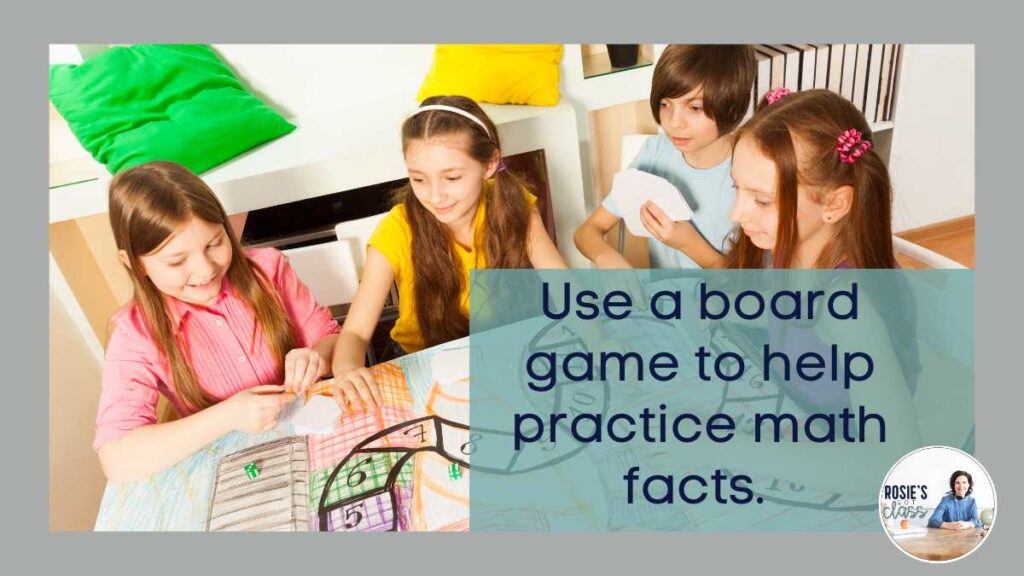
column 458, row 111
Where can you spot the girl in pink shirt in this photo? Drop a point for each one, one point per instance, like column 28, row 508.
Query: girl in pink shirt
column 215, row 329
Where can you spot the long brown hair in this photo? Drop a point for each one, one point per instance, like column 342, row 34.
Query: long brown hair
column 147, row 203
column 815, row 119
column 438, row 274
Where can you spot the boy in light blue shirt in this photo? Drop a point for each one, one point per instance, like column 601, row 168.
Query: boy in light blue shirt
column 699, row 96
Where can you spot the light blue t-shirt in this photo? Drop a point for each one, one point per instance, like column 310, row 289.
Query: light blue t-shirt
column 708, row 192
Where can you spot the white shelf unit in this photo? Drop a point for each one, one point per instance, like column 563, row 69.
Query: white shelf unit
column 347, row 149
column 596, row 59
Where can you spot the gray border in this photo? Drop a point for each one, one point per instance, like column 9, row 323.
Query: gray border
column 26, row 35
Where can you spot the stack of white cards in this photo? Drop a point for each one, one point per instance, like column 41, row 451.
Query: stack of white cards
column 631, row 188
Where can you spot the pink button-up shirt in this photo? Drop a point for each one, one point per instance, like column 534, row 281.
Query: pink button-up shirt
column 225, row 357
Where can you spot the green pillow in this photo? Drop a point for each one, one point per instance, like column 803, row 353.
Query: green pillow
column 180, row 103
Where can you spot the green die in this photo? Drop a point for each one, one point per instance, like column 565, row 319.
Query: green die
column 252, row 470
column 454, row 471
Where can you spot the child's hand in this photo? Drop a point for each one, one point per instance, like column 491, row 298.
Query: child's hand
column 667, row 231
column 255, row 409
column 302, row 367
column 357, row 390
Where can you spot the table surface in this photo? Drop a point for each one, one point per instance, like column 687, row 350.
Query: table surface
column 179, row 498
column 940, row 544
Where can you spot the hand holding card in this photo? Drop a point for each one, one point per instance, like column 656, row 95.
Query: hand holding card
column 631, row 188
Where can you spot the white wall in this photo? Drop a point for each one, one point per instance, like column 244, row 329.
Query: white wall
column 932, row 160
column 308, row 79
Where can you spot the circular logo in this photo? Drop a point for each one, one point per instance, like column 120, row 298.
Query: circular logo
column 937, row 504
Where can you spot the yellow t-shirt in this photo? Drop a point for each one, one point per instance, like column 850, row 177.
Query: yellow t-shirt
column 393, row 239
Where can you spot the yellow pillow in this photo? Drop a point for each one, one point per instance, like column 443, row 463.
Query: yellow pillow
column 495, row 73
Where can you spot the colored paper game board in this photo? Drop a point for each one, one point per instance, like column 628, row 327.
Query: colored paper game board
column 403, row 466
column 382, row 470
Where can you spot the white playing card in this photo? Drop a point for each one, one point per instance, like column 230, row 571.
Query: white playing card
column 631, row 188
column 450, row 365
column 318, row 416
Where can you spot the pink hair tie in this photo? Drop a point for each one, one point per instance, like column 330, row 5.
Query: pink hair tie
column 777, row 94
column 851, row 146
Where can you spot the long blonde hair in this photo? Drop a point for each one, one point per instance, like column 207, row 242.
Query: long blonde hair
column 147, row 203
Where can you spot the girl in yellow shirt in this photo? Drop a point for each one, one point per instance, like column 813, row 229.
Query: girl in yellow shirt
column 461, row 210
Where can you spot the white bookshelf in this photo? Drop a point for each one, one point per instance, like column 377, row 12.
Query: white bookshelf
column 882, row 126
column 340, row 150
